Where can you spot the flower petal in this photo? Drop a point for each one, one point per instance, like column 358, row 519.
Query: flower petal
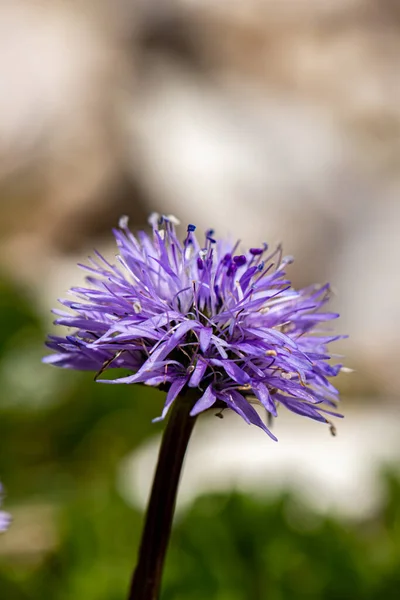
column 175, row 389
column 198, row 373
column 206, row 401
column 236, row 402
column 263, row 395
column 205, row 338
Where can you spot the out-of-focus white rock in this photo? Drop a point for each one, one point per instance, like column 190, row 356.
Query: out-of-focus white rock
column 334, row 474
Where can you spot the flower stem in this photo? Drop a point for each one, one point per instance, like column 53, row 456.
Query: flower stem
column 160, row 510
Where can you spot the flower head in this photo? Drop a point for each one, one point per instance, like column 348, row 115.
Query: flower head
column 206, row 317
column 5, row 518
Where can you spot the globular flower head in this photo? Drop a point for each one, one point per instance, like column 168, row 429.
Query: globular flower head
column 5, row 518
column 203, row 316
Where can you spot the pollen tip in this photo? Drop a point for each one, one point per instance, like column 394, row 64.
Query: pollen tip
column 172, row 219
column 154, row 219
column 123, row 222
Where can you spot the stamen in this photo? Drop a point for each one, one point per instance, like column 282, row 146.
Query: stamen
column 332, row 428
column 107, row 363
column 123, row 222
column 154, row 219
column 209, row 234
column 172, row 219
column 231, row 270
column 137, row 307
column 240, row 260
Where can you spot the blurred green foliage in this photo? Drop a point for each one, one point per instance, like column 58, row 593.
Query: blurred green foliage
column 62, row 439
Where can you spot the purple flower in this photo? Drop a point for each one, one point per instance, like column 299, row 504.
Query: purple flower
column 207, row 317
column 5, row 518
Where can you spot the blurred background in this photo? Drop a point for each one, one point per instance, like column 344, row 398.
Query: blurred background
column 272, row 120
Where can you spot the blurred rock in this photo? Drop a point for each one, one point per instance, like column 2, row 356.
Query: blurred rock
column 334, row 475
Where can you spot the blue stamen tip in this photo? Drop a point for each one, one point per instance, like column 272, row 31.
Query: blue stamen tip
column 191, row 228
